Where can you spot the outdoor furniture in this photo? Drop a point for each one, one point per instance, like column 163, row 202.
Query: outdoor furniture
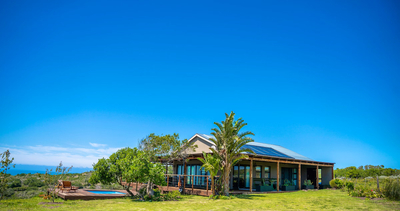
column 264, row 185
column 66, row 185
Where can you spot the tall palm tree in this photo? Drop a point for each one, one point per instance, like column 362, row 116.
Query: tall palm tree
column 211, row 164
column 228, row 145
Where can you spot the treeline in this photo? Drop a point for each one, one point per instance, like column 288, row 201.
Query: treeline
column 366, row 171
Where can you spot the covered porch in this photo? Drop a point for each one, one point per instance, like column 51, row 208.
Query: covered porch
column 255, row 174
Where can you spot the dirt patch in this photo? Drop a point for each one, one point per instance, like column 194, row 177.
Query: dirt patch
column 374, row 199
column 51, row 207
column 44, row 203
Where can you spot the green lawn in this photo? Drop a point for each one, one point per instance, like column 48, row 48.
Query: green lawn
column 312, row 200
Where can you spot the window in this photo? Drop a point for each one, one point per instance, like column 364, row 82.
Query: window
column 258, row 172
column 267, row 172
column 179, row 169
column 319, row 176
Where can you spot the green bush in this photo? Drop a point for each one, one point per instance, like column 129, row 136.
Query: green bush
column 33, row 182
column 15, row 183
column 9, row 192
column 32, row 188
column 336, row 183
column 20, row 188
column 172, row 196
column 391, row 189
column 349, row 186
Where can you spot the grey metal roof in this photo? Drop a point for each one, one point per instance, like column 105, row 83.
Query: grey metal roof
column 268, row 149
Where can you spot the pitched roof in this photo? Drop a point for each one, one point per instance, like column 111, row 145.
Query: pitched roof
column 270, row 150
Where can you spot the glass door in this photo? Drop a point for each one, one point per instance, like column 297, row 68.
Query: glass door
column 241, row 176
column 236, row 177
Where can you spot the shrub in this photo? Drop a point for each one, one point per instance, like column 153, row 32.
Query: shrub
column 336, row 183
column 33, row 182
column 20, row 188
column 349, row 186
column 172, row 196
column 157, row 193
column 9, row 192
column 365, row 191
column 31, row 188
column 15, row 183
column 391, row 189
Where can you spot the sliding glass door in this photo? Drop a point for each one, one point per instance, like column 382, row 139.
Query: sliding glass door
column 241, row 176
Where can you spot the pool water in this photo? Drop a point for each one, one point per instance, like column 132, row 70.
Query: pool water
column 104, row 192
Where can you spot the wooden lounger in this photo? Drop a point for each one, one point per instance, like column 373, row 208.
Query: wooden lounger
column 66, row 185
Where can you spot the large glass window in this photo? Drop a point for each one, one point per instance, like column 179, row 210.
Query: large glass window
column 258, row 172
column 188, row 172
column 179, row 169
column 267, row 172
column 193, row 170
column 247, row 176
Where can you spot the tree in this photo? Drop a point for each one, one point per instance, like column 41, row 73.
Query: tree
column 228, row 142
column 127, row 166
column 165, row 148
column 51, row 179
column 114, row 169
column 5, row 166
column 211, row 164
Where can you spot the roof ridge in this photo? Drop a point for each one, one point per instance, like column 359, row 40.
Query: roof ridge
column 265, row 143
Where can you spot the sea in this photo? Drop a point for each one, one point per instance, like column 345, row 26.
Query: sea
column 33, row 169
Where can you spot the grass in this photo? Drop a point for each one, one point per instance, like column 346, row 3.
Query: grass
column 311, row 200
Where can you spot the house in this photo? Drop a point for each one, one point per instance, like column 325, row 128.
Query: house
column 271, row 168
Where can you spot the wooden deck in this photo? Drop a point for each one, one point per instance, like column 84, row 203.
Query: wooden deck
column 188, row 191
column 83, row 194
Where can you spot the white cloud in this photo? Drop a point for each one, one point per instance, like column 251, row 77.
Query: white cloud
column 97, row 145
column 52, row 155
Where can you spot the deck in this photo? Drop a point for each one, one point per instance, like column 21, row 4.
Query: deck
column 83, row 194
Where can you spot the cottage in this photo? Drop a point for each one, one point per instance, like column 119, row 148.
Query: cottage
column 271, row 168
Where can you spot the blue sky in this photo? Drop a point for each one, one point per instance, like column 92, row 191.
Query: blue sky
column 78, row 80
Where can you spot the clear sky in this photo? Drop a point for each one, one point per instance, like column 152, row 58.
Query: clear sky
column 80, row 79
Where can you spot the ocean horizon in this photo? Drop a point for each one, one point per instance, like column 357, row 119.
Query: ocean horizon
column 33, row 169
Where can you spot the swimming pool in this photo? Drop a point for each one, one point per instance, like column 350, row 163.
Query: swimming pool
column 104, row 192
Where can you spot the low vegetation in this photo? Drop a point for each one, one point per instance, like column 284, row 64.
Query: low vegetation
column 301, row 200
column 365, row 171
column 389, row 187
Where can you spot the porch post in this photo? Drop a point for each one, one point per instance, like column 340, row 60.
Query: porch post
column 167, row 181
column 299, row 176
column 317, row 180
column 251, row 175
column 277, row 176
column 192, row 183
